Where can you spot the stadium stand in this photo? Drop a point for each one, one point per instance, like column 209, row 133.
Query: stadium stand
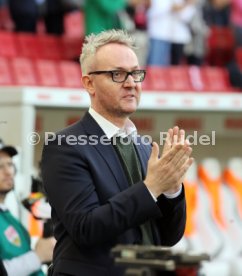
column 7, row 46
column 156, row 79
column 47, row 73
column 50, row 47
column 5, row 72
column 215, row 79
column 23, row 71
column 70, row 75
column 27, row 45
column 187, row 78
column 37, row 47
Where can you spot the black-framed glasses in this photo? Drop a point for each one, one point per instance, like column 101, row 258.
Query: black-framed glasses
column 121, row 75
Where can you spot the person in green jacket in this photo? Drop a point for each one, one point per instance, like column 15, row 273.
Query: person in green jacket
column 101, row 15
column 15, row 251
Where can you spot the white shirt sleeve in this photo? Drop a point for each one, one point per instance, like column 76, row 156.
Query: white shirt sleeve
column 170, row 196
column 176, row 194
column 155, row 199
column 22, row 265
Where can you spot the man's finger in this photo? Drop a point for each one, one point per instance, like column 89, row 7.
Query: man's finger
column 155, row 151
column 168, row 141
column 181, row 137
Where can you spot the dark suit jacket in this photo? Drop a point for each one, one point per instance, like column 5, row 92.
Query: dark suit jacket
column 93, row 207
column 3, row 272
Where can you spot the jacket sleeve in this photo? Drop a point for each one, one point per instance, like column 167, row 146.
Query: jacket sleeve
column 173, row 220
column 73, row 196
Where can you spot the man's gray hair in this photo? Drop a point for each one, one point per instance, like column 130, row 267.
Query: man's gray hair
column 94, row 41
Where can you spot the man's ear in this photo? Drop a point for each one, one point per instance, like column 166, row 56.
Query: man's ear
column 88, row 84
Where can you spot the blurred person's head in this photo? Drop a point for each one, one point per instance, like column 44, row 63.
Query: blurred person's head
column 7, row 170
column 220, row 4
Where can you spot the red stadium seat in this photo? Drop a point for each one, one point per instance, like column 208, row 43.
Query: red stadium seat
column 179, row 78
column 7, row 44
column 215, row 79
column 220, row 46
column 72, row 47
column 47, row 73
column 5, row 72
column 70, row 74
column 50, row 47
column 27, row 45
column 23, row 71
column 156, row 79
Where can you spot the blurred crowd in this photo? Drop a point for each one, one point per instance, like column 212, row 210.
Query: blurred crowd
column 168, row 32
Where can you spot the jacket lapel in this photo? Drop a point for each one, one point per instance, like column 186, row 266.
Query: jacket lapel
column 107, row 152
column 143, row 155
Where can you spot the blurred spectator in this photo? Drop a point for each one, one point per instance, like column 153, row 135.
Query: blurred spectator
column 195, row 50
column 15, row 250
column 168, row 30
column 2, row 3
column 5, row 19
column 54, row 16
column 217, row 12
column 236, row 20
column 235, row 74
column 102, row 15
column 137, row 9
column 26, row 14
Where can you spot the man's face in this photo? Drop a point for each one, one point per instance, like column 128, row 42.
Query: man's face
column 112, row 99
column 7, row 172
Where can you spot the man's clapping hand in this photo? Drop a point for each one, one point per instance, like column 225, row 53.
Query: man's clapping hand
column 166, row 173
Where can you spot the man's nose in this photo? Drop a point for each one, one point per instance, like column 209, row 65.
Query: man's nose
column 130, row 82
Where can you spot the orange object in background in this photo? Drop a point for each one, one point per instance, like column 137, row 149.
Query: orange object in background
column 213, row 189
column 236, row 185
column 35, row 223
column 191, row 193
column 35, row 226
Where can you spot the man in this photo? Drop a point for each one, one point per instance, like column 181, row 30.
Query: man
column 15, row 252
column 104, row 192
